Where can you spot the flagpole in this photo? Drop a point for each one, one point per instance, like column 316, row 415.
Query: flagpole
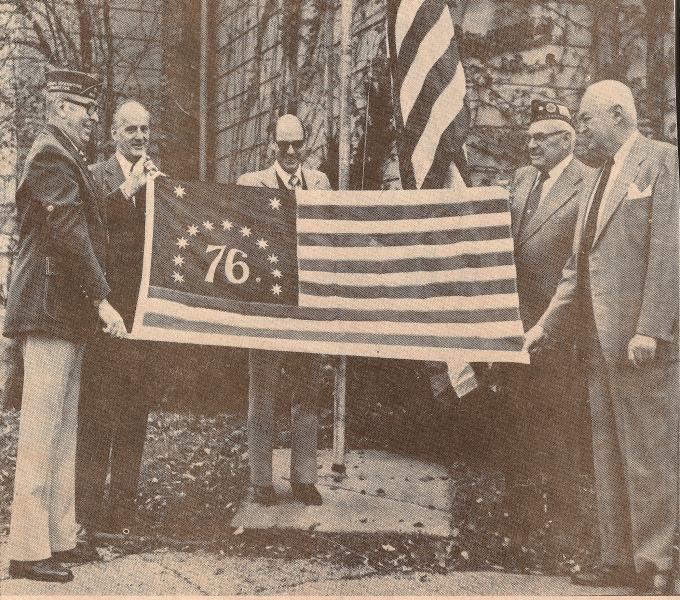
column 203, row 94
column 344, row 149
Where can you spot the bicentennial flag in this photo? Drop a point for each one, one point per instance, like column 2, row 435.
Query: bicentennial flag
column 428, row 83
column 395, row 274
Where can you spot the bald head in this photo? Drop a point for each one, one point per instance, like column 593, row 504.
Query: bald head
column 610, row 94
column 289, row 136
column 607, row 117
column 130, row 130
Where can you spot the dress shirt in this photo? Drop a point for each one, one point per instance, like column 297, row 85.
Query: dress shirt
column 619, row 159
column 285, row 175
column 127, row 167
column 554, row 174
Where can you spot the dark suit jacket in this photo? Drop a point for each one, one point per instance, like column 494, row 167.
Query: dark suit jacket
column 59, row 268
column 126, row 238
column 633, row 263
column 544, row 242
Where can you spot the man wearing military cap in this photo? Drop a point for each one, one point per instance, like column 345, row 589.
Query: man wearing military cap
column 56, row 298
column 541, row 413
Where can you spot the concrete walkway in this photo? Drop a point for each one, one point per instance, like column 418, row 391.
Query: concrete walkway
column 181, row 573
column 382, row 492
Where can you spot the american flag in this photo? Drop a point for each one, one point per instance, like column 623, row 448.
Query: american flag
column 429, row 92
column 394, row 274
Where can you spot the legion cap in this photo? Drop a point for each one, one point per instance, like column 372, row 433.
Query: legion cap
column 542, row 110
column 73, row 82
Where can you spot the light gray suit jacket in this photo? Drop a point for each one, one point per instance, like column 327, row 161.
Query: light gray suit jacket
column 315, row 180
column 633, row 262
column 543, row 243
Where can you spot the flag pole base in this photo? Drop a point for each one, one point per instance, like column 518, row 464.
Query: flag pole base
column 338, row 468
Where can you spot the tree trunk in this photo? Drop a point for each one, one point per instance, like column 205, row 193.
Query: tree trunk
column 655, row 21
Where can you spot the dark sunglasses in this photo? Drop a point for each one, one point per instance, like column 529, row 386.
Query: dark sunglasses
column 542, row 137
column 92, row 107
column 283, row 146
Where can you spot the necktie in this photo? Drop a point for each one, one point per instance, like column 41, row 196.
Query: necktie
column 591, row 220
column 293, row 182
column 534, row 198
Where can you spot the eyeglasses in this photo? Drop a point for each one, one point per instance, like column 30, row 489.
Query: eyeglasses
column 91, row 107
column 283, row 146
column 542, row 137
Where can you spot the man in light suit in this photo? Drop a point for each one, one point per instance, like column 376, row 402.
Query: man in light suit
column 266, row 367
column 113, row 408
column 620, row 288
column 541, row 410
column 57, row 296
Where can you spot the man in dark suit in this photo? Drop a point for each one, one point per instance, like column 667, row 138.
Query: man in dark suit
column 57, row 295
column 541, row 414
column 620, row 289
column 113, row 407
column 266, row 367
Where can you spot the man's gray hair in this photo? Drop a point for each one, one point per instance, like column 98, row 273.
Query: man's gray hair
column 124, row 103
column 52, row 102
column 611, row 93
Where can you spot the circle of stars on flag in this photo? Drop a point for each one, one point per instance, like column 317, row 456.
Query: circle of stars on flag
column 192, row 230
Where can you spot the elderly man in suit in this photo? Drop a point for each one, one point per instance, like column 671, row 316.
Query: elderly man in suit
column 541, row 411
column 57, row 295
column 620, row 289
column 266, row 367
column 113, row 408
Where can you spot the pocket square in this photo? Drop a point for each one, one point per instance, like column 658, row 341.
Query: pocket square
column 634, row 191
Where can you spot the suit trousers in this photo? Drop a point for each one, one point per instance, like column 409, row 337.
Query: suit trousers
column 543, row 416
column 43, row 515
column 635, row 451
column 112, row 429
column 272, row 373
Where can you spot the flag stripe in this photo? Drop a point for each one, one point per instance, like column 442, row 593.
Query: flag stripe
column 412, row 278
column 406, row 15
column 434, row 84
column 412, row 264
column 431, row 290
column 425, row 211
column 324, row 347
column 493, row 301
column 434, row 45
column 487, row 330
column 469, row 314
column 398, row 197
column 447, row 105
column 152, row 319
column 340, row 240
column 402, row 252
column 404, row 225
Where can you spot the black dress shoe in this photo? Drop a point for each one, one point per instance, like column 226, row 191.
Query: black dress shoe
column 40, row 570
column 84, row 552
column 264, row 495
column 307, row 494
column 607, row 576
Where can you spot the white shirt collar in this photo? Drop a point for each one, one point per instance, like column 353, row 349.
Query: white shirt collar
column 285, row 175
column 558, row 169
column 624, row 150
column 124, row 163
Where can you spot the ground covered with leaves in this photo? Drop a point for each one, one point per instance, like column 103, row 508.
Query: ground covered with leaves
column 195, row 475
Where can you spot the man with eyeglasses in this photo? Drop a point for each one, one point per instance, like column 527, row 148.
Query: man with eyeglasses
column 113, row 407
column 619, row 291
column 301, row 371
column 57, row 297
column 541, row 415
